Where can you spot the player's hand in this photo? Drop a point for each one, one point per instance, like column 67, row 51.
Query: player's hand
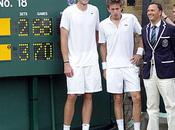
column 136, row 59
column 68, row 71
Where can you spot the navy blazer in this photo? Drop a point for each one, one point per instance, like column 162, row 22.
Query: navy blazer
column 163, row 52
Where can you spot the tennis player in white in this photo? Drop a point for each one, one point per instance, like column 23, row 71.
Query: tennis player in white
column 79, row 26
column 116, row 35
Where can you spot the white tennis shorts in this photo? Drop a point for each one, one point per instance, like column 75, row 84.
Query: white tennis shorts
column 85, row 80
column 124, row 79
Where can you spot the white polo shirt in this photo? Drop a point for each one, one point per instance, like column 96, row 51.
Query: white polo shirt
column 82, row 26
column 119, row 40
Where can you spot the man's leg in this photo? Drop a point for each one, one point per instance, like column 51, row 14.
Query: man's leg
column 153, row 100
column 92, row 84
column 86, row 110
column 69, row 110
column 167, row 91
column 118, row 110
column 136, row 98
column 132, row 85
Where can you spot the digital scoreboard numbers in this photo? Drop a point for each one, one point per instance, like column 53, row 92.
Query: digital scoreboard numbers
column 24, row 52
column 23, row 24
column 43, row 51
column 42, row 27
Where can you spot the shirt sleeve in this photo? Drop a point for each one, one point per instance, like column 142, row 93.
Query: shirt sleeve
column 102, row 38
column 137, row 26
column 65, row 20
column 98, row 21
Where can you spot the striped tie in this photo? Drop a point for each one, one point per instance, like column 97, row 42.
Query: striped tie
column 153, row 36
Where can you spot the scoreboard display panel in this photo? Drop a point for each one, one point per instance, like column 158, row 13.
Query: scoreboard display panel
column 29, row 36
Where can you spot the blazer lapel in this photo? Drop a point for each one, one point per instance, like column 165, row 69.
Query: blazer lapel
column 148, row 35
column 161, row 31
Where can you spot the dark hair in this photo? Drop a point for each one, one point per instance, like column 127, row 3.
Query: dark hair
column 159, row 6
column 174, row 5
column 111, row 2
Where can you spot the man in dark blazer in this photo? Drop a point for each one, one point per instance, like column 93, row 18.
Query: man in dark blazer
column 159, row 66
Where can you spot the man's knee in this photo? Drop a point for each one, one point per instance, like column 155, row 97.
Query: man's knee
column 136, row 98
column 71, row 97
column 87, row 97
column 118, row 99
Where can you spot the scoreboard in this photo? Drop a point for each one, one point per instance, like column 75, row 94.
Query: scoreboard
column 29, row 36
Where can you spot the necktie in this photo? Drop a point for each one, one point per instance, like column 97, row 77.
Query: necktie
column 153, row 36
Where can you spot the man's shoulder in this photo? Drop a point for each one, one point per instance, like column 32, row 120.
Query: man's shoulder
column 105, row 21
column 169, row 25
column 92, row 7
column 170, row 28
column 146, row 26
column 128, row 15
column 69, row 8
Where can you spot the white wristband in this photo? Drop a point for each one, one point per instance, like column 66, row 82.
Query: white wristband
column 104, row 65
column 140, row 51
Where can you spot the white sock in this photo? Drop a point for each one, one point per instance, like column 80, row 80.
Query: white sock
column 85, row 126
column 120, row 124
column 66, row 127
column 136, row 125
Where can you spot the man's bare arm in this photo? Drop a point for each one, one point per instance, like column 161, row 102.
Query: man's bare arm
column 138, row 56
column 64, row 50
column 103, row 53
